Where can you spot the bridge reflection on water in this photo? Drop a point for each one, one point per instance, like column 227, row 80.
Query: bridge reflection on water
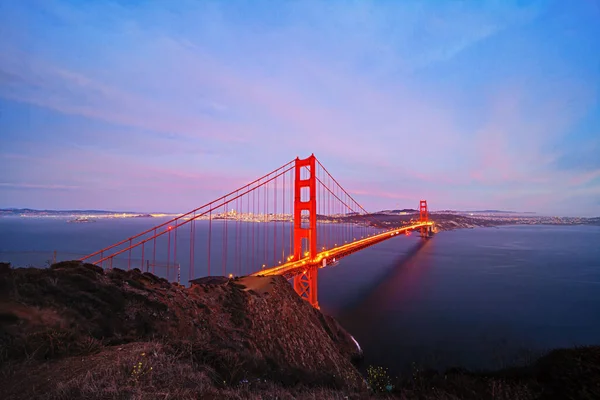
column 481, row 298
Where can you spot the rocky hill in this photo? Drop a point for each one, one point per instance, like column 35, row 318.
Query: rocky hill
column 74, row 331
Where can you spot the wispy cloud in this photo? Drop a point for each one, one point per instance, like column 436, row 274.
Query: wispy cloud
column 474, row 104
column 585, row 178
column 37, row 186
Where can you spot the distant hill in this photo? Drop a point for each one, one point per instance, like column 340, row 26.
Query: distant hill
column 405, row 210
column 67, row 213
column 484, row 212
column 34, row 211
column 499, row 212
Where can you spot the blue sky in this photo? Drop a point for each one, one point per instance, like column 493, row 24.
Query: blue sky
column 471, row 105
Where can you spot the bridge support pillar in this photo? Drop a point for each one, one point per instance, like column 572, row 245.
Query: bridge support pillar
column 306, row 285
column 305, row 226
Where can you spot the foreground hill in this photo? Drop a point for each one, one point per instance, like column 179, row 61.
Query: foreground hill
column 74, row 331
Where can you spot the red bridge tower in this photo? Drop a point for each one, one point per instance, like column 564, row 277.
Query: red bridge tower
column 305, row 227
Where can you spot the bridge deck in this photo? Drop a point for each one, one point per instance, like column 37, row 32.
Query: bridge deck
column 292, row 268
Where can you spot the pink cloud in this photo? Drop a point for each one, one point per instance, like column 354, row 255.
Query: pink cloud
column 587, row 177
column 107, row 103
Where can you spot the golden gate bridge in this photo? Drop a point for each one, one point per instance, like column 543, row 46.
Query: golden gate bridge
column 313, row 222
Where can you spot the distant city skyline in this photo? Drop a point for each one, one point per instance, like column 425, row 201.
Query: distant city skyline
column 162, row 213
column 163, row 106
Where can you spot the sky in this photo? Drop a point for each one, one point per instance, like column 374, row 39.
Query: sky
column 165, row 105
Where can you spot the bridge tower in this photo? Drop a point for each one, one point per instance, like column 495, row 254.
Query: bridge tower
column 305, row 226
column 424, row 217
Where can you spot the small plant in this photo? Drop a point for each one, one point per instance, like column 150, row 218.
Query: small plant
column 378, row 379
column 140, row 369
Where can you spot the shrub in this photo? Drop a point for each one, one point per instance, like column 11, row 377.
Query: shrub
column 378, row 379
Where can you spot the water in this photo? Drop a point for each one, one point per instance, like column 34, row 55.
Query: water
column 39, row 241
column 480, row 298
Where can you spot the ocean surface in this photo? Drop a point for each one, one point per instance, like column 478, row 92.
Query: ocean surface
column 477, row 298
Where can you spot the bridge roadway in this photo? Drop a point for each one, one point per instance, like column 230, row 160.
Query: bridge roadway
column 292, row 268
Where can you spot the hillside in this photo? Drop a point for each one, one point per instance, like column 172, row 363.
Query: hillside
column 74, row 331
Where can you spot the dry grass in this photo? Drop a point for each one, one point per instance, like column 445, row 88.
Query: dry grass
column 139, row 371
column 150, row 370
column 160, row 370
